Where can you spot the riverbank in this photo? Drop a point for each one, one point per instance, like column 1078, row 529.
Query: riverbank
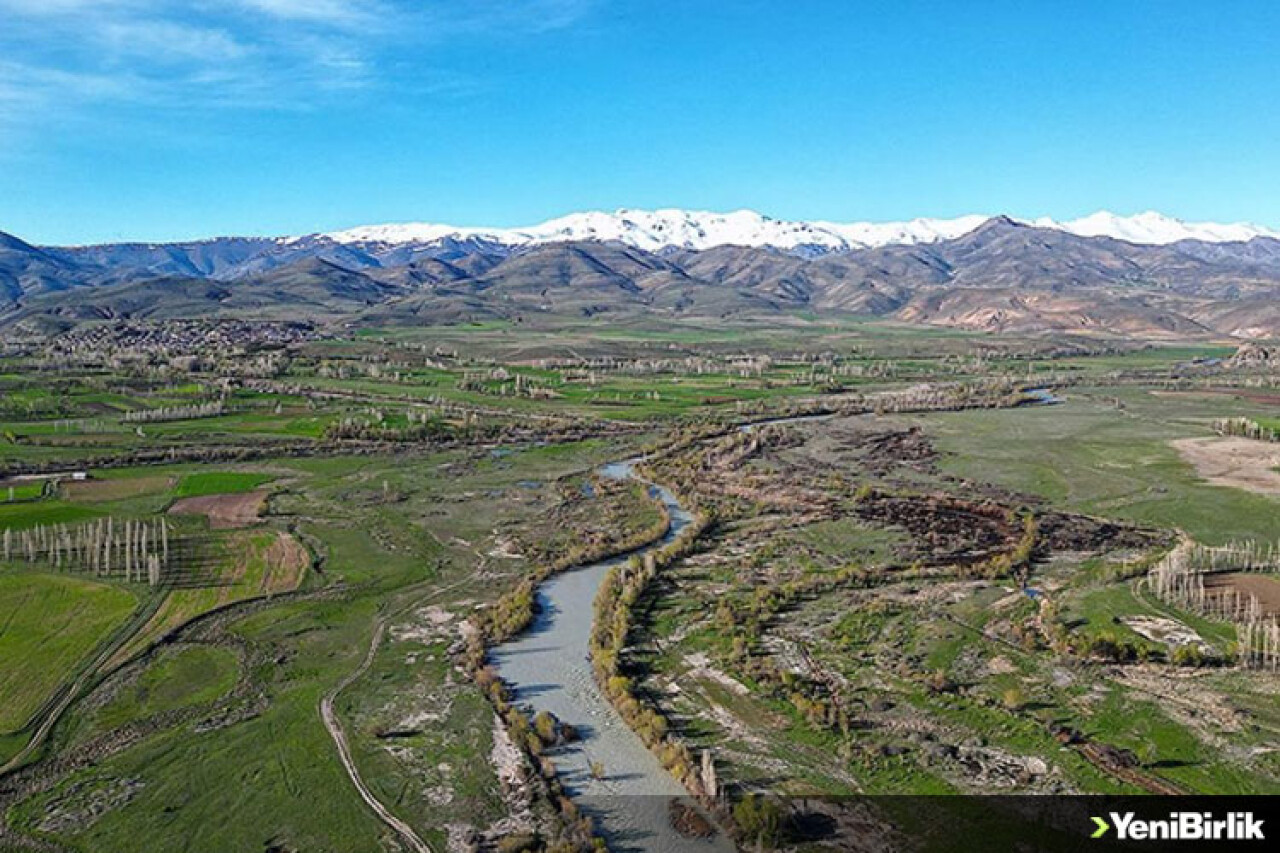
column 547, row 668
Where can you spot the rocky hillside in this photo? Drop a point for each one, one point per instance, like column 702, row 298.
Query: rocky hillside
column 1004, row 275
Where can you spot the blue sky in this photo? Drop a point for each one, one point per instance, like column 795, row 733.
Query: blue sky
column 163, row 119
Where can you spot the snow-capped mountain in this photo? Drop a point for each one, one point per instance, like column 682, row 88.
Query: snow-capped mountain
column 1161, row 277
column 1156, row 229
column 661, row 230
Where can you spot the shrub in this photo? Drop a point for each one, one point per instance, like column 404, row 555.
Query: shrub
column 1108, row 647
column 1187, row 654
column 939, row 682
column 544, row 724
column 759, row 819
column 522, row 842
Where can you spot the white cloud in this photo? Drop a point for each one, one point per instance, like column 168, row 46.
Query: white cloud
column 330, row 12
column 54, row 8
column 27, row 84
column 62, row 58
column 501, row 17
column 162, row 39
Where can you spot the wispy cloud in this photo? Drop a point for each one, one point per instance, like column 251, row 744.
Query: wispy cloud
column 162, row 41
column 502, row 17
column 54, row 8
column 345, row 13
column 27, row 86
column 70, row 58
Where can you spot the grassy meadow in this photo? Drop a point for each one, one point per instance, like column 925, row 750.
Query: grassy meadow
column 199, row 698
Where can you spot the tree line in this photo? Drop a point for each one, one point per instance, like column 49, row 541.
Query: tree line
column 133, row 550
column 211, row 409
column 1179, row 579
column 1245, row 428
column 614, row 606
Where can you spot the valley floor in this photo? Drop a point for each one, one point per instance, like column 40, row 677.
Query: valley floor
column 911, row 576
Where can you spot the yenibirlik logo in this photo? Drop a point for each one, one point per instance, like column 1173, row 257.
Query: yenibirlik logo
column 1182, row 826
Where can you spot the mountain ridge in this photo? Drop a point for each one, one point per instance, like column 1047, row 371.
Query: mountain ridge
column 678, row 228
column 674, row 228
column 1004, row 275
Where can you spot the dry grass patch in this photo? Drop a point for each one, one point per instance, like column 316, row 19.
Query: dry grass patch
column 1239, row 463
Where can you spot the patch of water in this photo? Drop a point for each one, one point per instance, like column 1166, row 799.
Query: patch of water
column 549, row 669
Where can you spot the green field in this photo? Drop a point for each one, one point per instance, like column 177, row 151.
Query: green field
column 48, row 626
column 29, row 514
column 1092, row 457
column 219, row 483
column 416, row 480
column 187, row 676
column 20, row 491
column 383, row 553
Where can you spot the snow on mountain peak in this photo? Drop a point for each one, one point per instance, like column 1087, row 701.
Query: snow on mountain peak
column 671, row 228
column 1156, row 229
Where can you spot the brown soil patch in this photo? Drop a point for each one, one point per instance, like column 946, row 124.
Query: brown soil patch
column 1062, row 531
column 95, row 491
column 1240, row 463
column 883, row 452
column 1265, row 588
column 224, row 511
column 283, row 560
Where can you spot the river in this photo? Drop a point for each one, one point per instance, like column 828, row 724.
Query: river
column 548, row 667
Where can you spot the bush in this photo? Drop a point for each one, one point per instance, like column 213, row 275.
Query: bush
column 939, row 682
column 759, row 820
column 1188, row 654
column 522, row 842
column 1108, row 647
column 546, row 727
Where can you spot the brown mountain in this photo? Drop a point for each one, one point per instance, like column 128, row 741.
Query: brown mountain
column 1003, row 276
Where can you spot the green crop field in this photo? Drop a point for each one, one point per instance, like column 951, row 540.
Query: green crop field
column 22, row 515
column 20, row 491
column 219, row 483
column 48, row 626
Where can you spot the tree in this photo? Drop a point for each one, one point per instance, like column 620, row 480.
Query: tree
column 546, row 727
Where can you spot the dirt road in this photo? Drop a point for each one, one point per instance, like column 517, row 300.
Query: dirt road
column 334, row 725
column 331, row 723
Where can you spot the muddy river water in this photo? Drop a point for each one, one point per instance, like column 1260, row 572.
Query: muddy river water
column 549, row 669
